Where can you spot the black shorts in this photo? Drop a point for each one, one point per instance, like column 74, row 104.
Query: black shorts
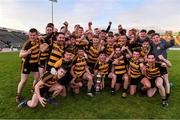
column 153, row 83
column 29, row 67
column 66, row 79
column 48, row 67
column 91, row 67
column 44, row 92
column 163, row 70
column 136, row 81
column 119, row 78
column 42, row 63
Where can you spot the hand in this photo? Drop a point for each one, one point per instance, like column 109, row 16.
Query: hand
column 53, row 71
column 110, row 22
column 90, row 23
column 42, row 101
column 66, row 23
column 29, row 51
column 123, row 48
column 160, row 57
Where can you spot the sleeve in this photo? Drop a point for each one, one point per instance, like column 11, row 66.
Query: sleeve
column 96, row 66
column 169, row 44
column 47, row 76
column 108, row 28
column 58, row 63
column 26, row 45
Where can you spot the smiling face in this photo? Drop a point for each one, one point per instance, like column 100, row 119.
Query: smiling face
column 102, row 57
column 49, row 30
column 80, row 52
column 136, row 55
column 68, row 56
column 145, row 45
column 33, row 35
column 122, row 40
column 151, row 59
column 156, row 39
column 61, row 72
column 110, row 40
column 60, row 39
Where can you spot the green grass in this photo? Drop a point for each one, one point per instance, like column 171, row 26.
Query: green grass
column 81, row 106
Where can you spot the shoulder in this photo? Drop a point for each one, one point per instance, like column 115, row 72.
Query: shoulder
column 26, row 45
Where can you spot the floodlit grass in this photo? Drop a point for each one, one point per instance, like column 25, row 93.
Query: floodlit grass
column 81, row 106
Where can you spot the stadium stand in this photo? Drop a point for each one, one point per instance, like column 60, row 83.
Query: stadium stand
column 11, row 38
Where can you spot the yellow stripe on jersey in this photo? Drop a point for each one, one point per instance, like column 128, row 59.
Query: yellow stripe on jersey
column 79, row 66
column 134, row 69
column 153, row 71
column 55, row 55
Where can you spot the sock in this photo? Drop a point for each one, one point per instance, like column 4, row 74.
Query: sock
column 112, row 89
column 167, row 95
column 163, row 98
column 89, row 90
column 124, row 90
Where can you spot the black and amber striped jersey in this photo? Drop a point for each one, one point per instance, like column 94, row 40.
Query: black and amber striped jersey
column 121, row 66
column 55, row 55
column 92, row 54
column 48, row 79
column 108, row 49
column 79, row 65
column 102, row 68
column 61, row 62
column 134, row 67
column 48, row 39
column 34, row 47
column 153, row 71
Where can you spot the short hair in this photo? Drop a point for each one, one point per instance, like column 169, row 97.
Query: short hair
column 150, row 54
column 64, row 67
column 60, row 33
column 102, row 52
column 80, row 27
column 116, row 34
column 80, row 47
column 110, row 36
column 62, row 27
column 67, row 50
column 96, row 29
column 151, row 32
column 136, row 50
column 96, row 36
column 33, row 30
column 50, row 25
column 146, row 40
column 155, row 35
column 103, row 31
column 143, row 30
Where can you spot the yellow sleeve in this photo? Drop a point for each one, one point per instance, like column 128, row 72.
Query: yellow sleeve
column 58, row 63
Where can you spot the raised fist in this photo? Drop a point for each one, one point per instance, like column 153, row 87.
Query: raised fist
column 65, row 23
column 110, row 22
column 90, row 23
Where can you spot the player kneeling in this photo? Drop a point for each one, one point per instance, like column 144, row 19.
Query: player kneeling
column 153, row 74
column 48, row 83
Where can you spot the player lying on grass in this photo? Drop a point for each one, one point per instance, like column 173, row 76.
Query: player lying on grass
column 47, row 84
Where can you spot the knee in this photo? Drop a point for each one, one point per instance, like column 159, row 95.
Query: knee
column 32, row 105
column 148, row 85
column 159, row 85
column 23, row 81
column 149, row 95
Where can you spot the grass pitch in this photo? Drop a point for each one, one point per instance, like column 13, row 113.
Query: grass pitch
column 81, row 106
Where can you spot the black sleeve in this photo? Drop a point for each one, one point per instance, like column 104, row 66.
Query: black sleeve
column 96, row 66
column 26, row 45
column 108, row 28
